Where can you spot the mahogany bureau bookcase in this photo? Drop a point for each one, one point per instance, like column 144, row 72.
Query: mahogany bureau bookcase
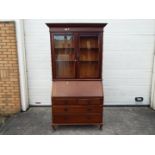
column 77, row 89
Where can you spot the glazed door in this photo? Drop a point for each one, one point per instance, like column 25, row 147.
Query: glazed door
column 64, row 53
column 89, row 56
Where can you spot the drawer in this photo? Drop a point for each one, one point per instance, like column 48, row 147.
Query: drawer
column 76, row 109
column 81, row 101
column 79, row 119
column 96, row 101
column 64, row 101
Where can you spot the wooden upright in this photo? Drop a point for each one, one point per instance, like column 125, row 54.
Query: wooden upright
column 77, row 89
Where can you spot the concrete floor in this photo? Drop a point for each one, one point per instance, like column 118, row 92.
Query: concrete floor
column 118, row 121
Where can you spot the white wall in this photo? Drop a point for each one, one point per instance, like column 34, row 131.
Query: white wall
column 128, row 58
column 129, row 47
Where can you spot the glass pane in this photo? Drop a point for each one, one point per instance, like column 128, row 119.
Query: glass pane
column 89, row 50
column 64, row 56
column 63, row 41
column 65, row 69
column 89, row 42
column 64, row 47
column 89, row 57
column 89, row 70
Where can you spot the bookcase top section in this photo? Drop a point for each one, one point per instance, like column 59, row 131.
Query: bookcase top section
column 59, row 25
column 77, row 89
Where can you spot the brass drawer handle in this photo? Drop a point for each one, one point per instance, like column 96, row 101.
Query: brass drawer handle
column 66, row 29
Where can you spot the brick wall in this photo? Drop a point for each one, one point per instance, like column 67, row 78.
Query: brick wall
column 9, row 73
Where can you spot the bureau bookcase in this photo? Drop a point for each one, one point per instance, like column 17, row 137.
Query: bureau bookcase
column 77, row 88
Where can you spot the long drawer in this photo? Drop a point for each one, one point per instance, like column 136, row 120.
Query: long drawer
column 74, row 101
column 72, row 109
column 79, row 119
